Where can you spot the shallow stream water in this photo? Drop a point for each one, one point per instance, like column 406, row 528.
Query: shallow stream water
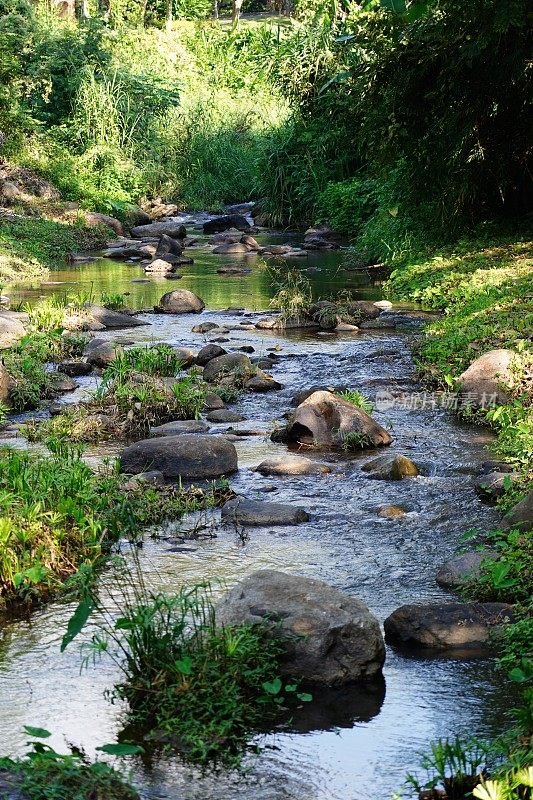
column 351, row 745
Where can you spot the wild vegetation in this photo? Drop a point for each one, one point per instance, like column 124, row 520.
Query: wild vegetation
column 403, row 125
column 194, row 685
column 57, row 515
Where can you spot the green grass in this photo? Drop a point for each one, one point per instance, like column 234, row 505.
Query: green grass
column 56, row 514
column 32, row 245
column 486, row 293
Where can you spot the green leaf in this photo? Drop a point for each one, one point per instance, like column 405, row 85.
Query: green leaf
column 517, row 675
column 272, row 687
column 77, row 622
column 39, row 733
column 305, row 697
column 184, row 665
column 121, row 749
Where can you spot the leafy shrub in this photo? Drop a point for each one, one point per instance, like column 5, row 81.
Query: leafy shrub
column 346, row 205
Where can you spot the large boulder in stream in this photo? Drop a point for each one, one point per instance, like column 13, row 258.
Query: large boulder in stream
column 156, row 229
column 483, row 383
column 440, row 626
column 329, row 638
column 114, row 320
column 224, row 223
column 180, row 301
column 184, row 456
column 101, row 353
column 325, row 420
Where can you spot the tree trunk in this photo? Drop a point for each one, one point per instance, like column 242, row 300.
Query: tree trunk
column 237, row 4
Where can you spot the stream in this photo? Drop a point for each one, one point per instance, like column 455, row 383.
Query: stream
column 351, row 744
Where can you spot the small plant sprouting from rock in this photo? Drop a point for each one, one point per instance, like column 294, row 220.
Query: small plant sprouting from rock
column 293, row 294
column 355, row 440
column 357, row 399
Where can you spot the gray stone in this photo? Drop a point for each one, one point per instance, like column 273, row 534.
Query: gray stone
column 156, row 229
column 6, row 385
column 212, row 402
column 93, row 219
column 153, row 478
column 492, row 485
column 101, row 353
column 159, row 265
column 181, row 301
column 520, row 517
column 75, row 369
column 230, row 248
column 324, row 420
column 113, row 320
column 179, row 427
column 255, row 513
column 186, row 456
column 229, row 368
column 62, row 383
column 291, row 465
column 224, row 415
column 185, row 356
column 168, row 245
column 11, row 331
column 204, row 327
column 262, row 382
column 462, row 569
column 391, row 468
column 446, row 625
column 208, row 353
column 482, row 382
column 226, row 222
column 329, row 638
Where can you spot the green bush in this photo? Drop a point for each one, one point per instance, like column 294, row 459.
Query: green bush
column 346, row 205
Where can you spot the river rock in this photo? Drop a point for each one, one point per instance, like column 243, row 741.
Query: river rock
column 391, row 512
column 520, row 517
column 62, row 383
column 255, row 513
column 186, row 456
column 229, row 368
column 445, row 625
column 463, row 568
column 113, row 320
column 324, row 419
column 208, row 353
column 180, row 301
column 391, row 468
column 204, row 327
column 168, row 246
column 230, row 248
column 224, row 415
column 101, row 353
column 291, row 465
column 153, row 477
column 159, row 266
column 250, row 242
column 11, row 331
column 303, row 394
column 179, row 427
column 234, row 271
column 262, row 382
column 93, row 219
column 75, row 369
column 481, row 383
column 176, row 230
column 329, row 638
column 185, row 356
column 224, row 223
column 491, row 486
column 212, row 402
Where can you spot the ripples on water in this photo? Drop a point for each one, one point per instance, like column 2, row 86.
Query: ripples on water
column 356, row 745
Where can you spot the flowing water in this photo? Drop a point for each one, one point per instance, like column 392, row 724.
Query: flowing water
column 354, row 744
